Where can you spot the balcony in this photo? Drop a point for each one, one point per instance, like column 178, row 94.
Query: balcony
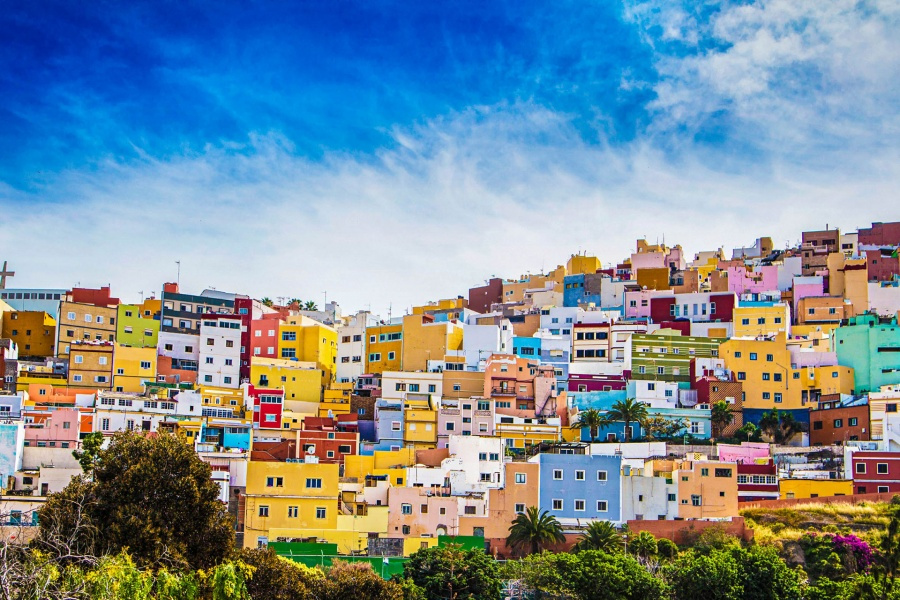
column 502, row 391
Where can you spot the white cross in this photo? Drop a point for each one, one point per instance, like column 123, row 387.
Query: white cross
column 3, row 275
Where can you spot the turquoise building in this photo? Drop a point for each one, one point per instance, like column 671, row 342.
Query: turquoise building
column 872, row 347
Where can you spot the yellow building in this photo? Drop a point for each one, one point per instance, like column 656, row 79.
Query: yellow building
column 706, row 489
column 336, row 400
column 306, row 340
column 91, row 365
column 514, row 291
column 31, row 374
column 382, row 463
column 762, row 319
column 384, row 348
column 763, row 366
column 451, row 304
column 33, row 331
column 84, row 322
column 227, row 399
column 581, row 264
column 132, row 367
column 462, row 384
column 856, row 284
column 814, row 488
column 520, row 434
column 290, row 500
column 426, row 341
column 301, row 381
column 420, row 421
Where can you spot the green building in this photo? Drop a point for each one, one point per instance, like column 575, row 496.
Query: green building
column 137, row 325
column 665, row 355
column 872, row 347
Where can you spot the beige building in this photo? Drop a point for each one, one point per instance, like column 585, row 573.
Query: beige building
column 91, row 365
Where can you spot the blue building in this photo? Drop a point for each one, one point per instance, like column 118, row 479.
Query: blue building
column 388, row 425
column 574, row 292
column 228, row 435
column 527, row 347
column 579, row 487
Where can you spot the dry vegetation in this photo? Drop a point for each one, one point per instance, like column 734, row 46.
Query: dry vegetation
column 777, row 525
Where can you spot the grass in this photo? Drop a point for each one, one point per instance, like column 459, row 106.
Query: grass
column 778, row 525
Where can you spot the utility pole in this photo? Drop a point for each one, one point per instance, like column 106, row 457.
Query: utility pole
column 4, row 273
column 178, row 279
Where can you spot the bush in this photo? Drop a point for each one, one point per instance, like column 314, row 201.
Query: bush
column 666, row 548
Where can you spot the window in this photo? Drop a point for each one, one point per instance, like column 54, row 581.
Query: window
column 838, row 423
column 145, row 364
column 274, row 481
column 314, row 483
column 87, row 318
column 602, row 506
column 79, row 359
column 890, row 407
column 881, row 468
column 557, row 504
column 264, row 511
column 557, row 474
column 521, row 477
column 293, row 512
column 722, row 472
column 289, row 336
column 406, row 509
column 520, row 508
column 671, row 498
column 766, row 376
column 579, row 505
column 320, row 512
column 696, row 500
column 742, row 376
column 395, row 425
column 861, row 468
column 579, row 475
column 852, row 422
column 451, row 426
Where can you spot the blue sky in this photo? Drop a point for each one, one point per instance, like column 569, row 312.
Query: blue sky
column 395, row 152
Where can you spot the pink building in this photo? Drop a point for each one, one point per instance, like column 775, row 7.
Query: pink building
column 745, row 453
column 596, row 382
column 743, row 281
column 264, row 336
column 464, row 416
column 637, row 303
column 60, row 427
column 418, row 511
column 807, row 287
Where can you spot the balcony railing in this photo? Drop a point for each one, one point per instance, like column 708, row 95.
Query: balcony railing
column 502, row 391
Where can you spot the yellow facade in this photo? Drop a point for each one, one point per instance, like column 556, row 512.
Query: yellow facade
column 815, row 336
column 33, row 331
column 392, row 463
column 526, row 434
column 91, row 366
column 751, row 321
column 814, row 488
column 448, row 304
column 462, row 384
column 222, row 397
column 84, row 322
column 429, row 341
column 39, row 375
column 420, row 422
column 384, row 348
column 336, row 400
column 579, row 264
column 132, row 367
column 301, row 381
column 290, row 498
column 856, row 284
column 824, row 380
column 514, row 291
column 307, row 340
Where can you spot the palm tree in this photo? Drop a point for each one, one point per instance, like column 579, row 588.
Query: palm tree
column 534, row 530
column 629, row 411
column 296, row 301
column 310, row 305
column 599, row 535
column 267, row 301
column 781, row 427
column 591, row 418
column 721, row 417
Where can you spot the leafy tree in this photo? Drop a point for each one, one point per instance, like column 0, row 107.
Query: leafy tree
column 151, row 496
column 296, row 301
column 627, row 411
column 666, row 548
column 592, row 419
column 267, row 302
column 779, row 426
column 534, row 530
column 720, row 417
column 450, row 573
column 600, row 535
column 660, row 428
column 276, row 578
column 643, row 545
column 355, row 581
column 766, row 576
column 90, row 451
column 714, row 537
column 716, row 576
column 310, row 305
column 749, row 432
column 590, row 575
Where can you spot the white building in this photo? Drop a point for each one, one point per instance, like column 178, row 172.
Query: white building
column 480, row 341
column 220, row 351
column 182, row 348
column 351, row 348
column 117, row 411
column 395, row 385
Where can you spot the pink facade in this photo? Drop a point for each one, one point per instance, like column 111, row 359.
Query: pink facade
column 637, row 303
column 462, row 415
column 61, row 426
column 264, row 336
column 746, row 453
column 596, row 383
column 742, row 281
column 807, row 287
column 417, row 511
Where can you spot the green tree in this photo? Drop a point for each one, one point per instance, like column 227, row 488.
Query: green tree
column 589, row 575
column 766, row 576
column 592, row 419
column 720, row 417
column 627, row 411
column 600, row 535
column 666, row 548
column 276, row 578
column 267, row 302
column 643, row 545
column 90, row 451
column 749, row 432
column 450, row 573
column 310, row 305
column 534, row 530
column 151, row 496
column 780, row 427
column 355, row 581
column 661, row 428
column 716, row 576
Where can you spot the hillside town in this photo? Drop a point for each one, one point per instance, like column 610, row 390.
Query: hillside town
column 665, row 392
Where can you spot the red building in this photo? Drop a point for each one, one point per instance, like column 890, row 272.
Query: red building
column 91, row 296
column 263, row 336
column 880, row 234
column 327, row 445
column 833, row 423
column 243, row 307
column 882, row 264
column 719, row 307
column 481, row 298
column 757, row 481
column 876, row 472
column 596, row 383
column 268, row 406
